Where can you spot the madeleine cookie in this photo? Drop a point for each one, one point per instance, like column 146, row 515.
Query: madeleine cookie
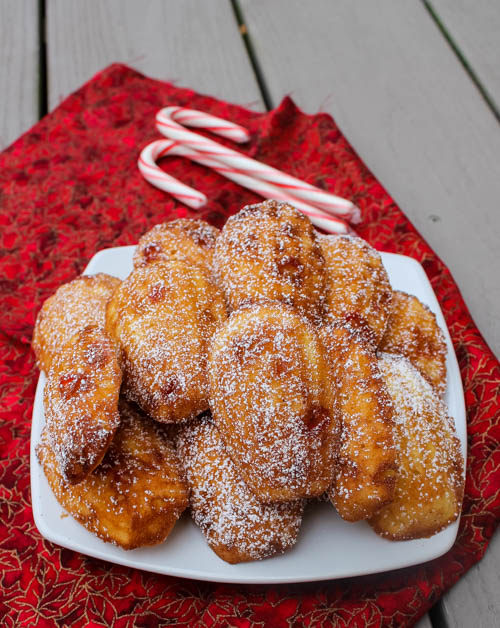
column 358, row 285
column 413, row 331
column 81, row 402
column 429, row 484
column 189, row 240
column 270, row 251
column 273, row 402
column 366, row 467
column 135, row 496
column 72, row 307
column 163, row 317
column 236, row 525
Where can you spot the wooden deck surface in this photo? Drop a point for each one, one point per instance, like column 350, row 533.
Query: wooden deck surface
column 414, row 86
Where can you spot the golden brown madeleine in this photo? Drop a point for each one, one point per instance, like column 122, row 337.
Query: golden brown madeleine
column 413, row 331
column 273, row 402
column 163, row 317
column 429, row 485
column 189, row 240
column 81, row 402
column 357, row 282
column 235, row 524
column 135, row 496
column 270, row 250
column 73, row 306
column 366, row 468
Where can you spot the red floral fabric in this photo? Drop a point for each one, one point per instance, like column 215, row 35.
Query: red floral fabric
column 70, row 187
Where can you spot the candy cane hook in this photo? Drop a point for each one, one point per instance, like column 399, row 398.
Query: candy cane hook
column 263, row 179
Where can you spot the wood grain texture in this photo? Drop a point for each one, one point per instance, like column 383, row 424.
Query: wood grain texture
column 424, row 622
column 18, row 68
column 475, row 29
column 475, row 599
column 191, row 42
column 399, row 94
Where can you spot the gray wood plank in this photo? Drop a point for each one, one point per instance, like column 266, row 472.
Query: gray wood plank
column 475, row 600
column 398, row 92
column 18, row 68
column 474, row 28
column 424, row 622
column 194, row 43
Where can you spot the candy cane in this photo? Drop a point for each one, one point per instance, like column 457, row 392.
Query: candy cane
column 263, row 179
column 170, row 119
column 195, row 199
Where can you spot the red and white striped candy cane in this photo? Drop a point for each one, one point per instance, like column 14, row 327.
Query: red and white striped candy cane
column 170, row 119
column 266, row 181
column 195, row 199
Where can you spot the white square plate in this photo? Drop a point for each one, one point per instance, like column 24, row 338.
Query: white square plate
column 328, row 547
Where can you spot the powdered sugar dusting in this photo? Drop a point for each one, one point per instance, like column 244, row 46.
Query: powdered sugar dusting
column 270, row 251
column 135, row 495
column 236, row 525
column 273, row 403
column 81, row 402
column 163, row 318
column 413, row 331
column 190, row 240
column 357, row 281
column 74, row 305
column 275, row 437
column 367, row 457
column 429, row 485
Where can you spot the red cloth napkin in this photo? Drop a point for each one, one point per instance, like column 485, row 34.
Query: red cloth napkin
column 70, row 187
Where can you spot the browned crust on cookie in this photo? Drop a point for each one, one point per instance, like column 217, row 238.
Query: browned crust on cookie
column 273, row 402
column 270, row 251
column 81, row 402
column 429, row 485
column 236, row 525
column 163, row 318
column 190, row 240
column 357, row 282
column 413, row 331
column 135, row 496
column 74, row 305
column 366, row 467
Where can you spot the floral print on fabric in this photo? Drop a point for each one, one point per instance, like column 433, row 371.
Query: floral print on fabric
column 69, row 187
